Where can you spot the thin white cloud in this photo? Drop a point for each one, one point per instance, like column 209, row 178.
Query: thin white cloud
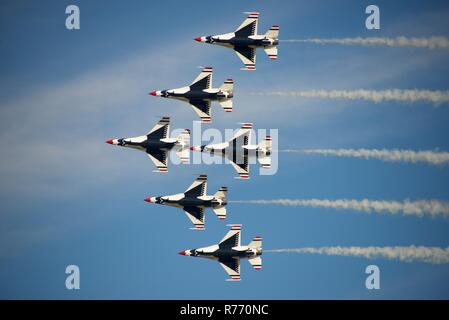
column 427, row 43
column 393, row 155
column 435, row 97
column 433, row 255
column 53, row 137
column 418, row 208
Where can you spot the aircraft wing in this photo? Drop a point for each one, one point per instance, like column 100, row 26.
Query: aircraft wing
column 159, row 158
column 232, row 238
column 161, row 130
column 244, row 131
column 203, row 81
column 236, row 154
column 249, row 26
column 247, row 55
column 242, row 167
column 202, row 108
column 232, row 267
column 196, row 215
column 198, row 188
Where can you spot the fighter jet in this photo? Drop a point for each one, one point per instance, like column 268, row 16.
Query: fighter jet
column 238, row 150
column 199, row 94
column 229, row 252
column 194, row 200
column 245, row 41
column 156, row 143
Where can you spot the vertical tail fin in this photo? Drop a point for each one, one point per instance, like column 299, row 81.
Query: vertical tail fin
column 273, row 32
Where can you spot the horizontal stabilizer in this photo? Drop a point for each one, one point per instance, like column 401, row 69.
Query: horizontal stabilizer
column 256, row 262
column 226, row 105
column 266, row 143
column 228, row 85
column 272, row 52
column 273, row 32
column 220, row 212
column 222, row 193
column 256, row 243
column 184, row 155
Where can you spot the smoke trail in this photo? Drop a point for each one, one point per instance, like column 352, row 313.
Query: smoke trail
column 428, row 43
column 413, row 95
column 432, row 255
column 418, row 208
column 395, row 155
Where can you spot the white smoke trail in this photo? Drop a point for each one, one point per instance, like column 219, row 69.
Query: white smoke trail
column 418, row 208
column 413, row 95
column 432, row 255
column 428, row 43
column 394, row 155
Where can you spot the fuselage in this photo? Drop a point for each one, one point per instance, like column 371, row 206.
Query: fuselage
column 142, row 143
column 229, row 40
column 185, row 93
column 215, row 251
column 179, row 200
column 231, row 152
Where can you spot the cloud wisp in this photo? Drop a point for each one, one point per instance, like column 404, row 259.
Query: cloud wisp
column 427, row 42
column 420, row 208
column 435, row 97
column 432, row 255
column 392, row 155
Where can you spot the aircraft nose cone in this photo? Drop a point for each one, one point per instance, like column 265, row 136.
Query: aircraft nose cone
column 183, row 253
column 197, row 39
column 110, row 141
column 153, row 93
column 147, row 200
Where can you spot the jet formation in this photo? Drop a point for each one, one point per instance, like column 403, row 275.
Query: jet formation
column 200, row 94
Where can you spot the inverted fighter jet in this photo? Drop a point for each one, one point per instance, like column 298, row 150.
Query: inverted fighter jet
column 194, row 200
column 229, row 252
column 245, row 41
column 199, row 94
column 156, row 143
column 239, row 149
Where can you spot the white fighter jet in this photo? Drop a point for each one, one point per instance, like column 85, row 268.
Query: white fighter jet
column 157, row 143
column 245, row 41
column 229, row 252
column 199, row 94
column 194, row 200
column 239, row 149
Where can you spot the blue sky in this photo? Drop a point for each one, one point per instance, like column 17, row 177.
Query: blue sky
column 69, row 198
